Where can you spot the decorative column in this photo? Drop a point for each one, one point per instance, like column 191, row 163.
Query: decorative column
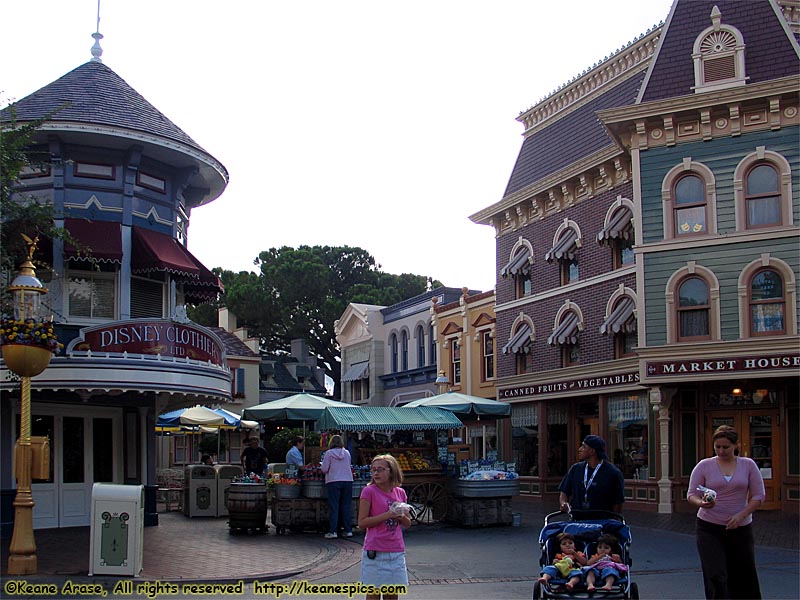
column 661, row 401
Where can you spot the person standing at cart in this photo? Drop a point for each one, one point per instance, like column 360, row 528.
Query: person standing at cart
column 339, row 485
column 254, row 457
column 592, row 483
column 383, row 513
column 295, row 454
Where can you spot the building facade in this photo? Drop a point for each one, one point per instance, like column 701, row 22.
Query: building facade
column 123, row 179
column 389, row 354
column 647, row 254
column 465, row 334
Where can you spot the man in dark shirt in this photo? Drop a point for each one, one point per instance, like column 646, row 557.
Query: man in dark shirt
column 593, row 483
column 254, row 457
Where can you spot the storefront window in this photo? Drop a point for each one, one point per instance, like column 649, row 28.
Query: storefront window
column 627, row 434
column 525, row 438
column 557, row 451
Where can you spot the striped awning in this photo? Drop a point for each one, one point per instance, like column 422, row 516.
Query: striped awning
column 518, row 265
column 621, row 318
column 618, row 227
column 384, row 418
column 566, row 332
column 565, row 248
column 520, row 341
column 357, row 371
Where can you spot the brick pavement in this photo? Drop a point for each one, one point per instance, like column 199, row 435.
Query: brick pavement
column 203, row 548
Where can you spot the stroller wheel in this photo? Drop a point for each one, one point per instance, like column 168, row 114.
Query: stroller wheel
column 537, row 591
column 634, row 592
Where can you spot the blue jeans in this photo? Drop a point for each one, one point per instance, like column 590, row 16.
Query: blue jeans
column 340, row 497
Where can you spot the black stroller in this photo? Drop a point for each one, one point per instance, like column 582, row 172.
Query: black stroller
column 586, row 526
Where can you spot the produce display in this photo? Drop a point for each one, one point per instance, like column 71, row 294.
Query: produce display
column 490, row 475
column 408, row 459
column 485, row 470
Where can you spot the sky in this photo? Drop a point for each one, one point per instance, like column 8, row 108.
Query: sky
column 380, row 124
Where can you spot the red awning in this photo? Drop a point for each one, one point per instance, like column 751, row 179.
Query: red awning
column 101, row 238
column 153, row 251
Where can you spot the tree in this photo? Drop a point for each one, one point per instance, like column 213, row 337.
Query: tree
column 300, row 293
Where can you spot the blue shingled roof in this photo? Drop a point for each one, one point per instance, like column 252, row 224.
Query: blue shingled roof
column 93, row 93
column 569, row 139
column 769, row 53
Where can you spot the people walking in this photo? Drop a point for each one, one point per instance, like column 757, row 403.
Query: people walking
column 383, row 512
column 727, row 489
column 592, row 483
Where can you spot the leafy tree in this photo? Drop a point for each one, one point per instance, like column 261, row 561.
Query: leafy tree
column 301, row 292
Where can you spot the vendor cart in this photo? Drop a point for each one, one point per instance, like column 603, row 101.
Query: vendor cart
column 424, row 477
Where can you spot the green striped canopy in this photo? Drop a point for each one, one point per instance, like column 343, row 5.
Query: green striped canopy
column 384, row 418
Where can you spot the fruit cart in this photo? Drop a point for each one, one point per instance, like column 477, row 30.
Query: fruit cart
column 424, row 477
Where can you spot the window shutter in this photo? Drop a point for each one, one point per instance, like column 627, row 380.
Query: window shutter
column 717, row 69
column 147, row 298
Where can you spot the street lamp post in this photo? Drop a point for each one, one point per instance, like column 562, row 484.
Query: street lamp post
column 26, row 360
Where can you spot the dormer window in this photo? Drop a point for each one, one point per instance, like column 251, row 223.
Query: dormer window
column 718, row 56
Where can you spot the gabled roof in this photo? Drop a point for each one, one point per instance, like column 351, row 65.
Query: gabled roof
column 569, row 139
column 233, row 345
column 769, row 51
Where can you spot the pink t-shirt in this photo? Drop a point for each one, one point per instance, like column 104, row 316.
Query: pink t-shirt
column 388, row 536
column 732, row 496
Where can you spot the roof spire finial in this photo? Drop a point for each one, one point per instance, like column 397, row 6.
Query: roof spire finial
column 97, row 51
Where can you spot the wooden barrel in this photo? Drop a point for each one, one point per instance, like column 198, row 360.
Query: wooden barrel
column 247, row 505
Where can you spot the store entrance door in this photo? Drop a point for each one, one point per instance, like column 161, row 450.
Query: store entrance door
column 759, row 439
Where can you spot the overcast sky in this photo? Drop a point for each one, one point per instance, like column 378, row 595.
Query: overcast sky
column 378, row 124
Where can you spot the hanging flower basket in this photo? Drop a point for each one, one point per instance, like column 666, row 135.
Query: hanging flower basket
column 28, row 345
column 26, row 360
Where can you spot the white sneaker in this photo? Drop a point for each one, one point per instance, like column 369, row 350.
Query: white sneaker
column 348, row 534
column 330, row 536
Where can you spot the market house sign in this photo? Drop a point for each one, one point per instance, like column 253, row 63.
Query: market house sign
column 164, row 337
column 570, row 385
column 723, row 365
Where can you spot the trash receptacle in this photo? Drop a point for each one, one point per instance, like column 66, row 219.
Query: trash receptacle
column 225, row 475
column 200, row 491
column 116, row 541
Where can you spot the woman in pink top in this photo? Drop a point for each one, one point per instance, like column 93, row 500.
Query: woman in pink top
column 383, row 559
column 724, row 523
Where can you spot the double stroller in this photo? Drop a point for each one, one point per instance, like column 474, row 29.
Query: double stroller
column 586, row 526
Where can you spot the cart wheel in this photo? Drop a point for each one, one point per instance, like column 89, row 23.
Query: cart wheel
column 634, row 592
column 537, row 591
column 429, row 501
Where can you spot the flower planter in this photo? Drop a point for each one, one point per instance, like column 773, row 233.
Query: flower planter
column 26, row 360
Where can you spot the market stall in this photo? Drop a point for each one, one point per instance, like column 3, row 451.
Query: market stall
column 421, row 453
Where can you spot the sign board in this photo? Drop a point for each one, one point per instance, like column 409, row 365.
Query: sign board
column 153, row 337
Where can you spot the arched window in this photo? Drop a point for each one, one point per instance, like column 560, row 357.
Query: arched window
column 420, row 346
column 393, row 347
column 694, row 306
column 518, row 267
column 718, row 56
column 690, row 206
column 763, row 197
column 767, row 304
column 404, row 340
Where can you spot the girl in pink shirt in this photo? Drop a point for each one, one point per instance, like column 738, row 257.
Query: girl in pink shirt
column 383, row 559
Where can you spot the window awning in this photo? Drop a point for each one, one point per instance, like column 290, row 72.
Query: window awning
column 102, row 238
column 518, row 265
column 618, row 227
column 565, row 248
column 153, row 251
column 384, row 418
column 566, row 332
column 520, row 341
column 357, row 371
column 621, row 318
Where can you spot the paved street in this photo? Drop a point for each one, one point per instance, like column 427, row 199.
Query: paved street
column 444, row 562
